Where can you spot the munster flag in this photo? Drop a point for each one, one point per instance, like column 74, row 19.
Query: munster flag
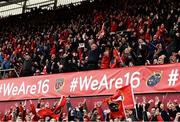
column 125, row 94
column 116, row 109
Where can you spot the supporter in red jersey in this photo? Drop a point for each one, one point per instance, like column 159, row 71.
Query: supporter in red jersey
column 105, row 62
column 114, row 27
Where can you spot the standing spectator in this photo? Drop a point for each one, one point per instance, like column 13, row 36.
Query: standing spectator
column 93, row 57
column 105, row 61
column 27, row 66
column 53, row 66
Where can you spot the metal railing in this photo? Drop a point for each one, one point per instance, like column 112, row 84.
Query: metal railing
column 4, row 73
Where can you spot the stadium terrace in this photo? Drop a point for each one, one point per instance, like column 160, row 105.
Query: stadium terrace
column 93, row 60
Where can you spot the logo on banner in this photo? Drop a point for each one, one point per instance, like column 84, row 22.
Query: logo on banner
column 154, row 79
column 59, row 84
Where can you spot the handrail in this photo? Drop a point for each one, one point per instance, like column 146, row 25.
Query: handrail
column 12, row 69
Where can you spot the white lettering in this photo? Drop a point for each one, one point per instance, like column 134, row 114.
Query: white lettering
column 45, row 87
column 33, row 89
column 94, row 85
column 127, row 75
column 135, row 79
column 85, row 83
column 111, row 83
column 8, row 89
column 103, row 82
column 15, row 90
column 118, row 83
column 27, row 89
column 39, row 86
column 22, row 89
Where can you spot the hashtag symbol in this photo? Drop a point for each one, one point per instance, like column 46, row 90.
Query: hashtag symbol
column 173, row 77
column 74, row 83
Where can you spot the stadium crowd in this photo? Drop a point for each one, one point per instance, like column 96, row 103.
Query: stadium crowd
column 152, row 110
column 93, row 35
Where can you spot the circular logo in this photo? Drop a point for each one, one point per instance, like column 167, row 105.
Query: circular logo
column 154, row 79
column 114, row 107
column 59, row 84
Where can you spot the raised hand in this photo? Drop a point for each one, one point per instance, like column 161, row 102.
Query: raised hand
column 136, row 100
column 84, row 102
column 175, row 101
column 24, row 103
column 144, row 99
column 151, row 101
column 156, row 100
column 30, row 101
column 16, row 104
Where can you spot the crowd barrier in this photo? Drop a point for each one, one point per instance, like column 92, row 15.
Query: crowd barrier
column 144, row 79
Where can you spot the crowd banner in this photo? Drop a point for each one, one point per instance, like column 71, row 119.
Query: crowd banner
column 144, row 79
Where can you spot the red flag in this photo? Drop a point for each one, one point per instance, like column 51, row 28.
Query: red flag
column 116, row 109
column 115, row 105
column 43, row 113
column 61, row 103
column 125, row 94
column 48, row 112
